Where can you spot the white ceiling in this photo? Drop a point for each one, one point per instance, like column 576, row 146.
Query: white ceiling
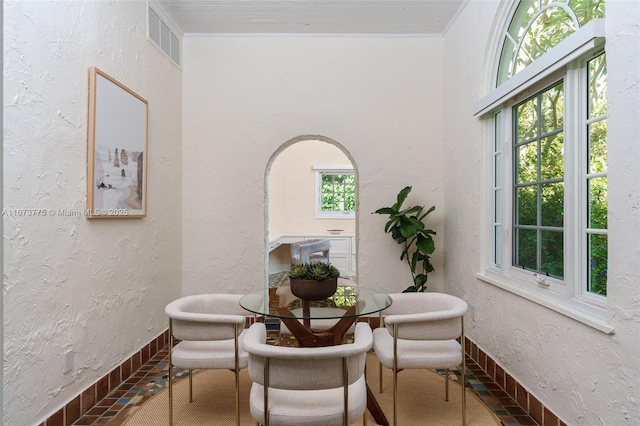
column 312, row 16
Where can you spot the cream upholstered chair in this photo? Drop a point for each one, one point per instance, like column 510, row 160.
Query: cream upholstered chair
column 307, row 386
column 420, row 332
column 309, row 251
column 210, row 328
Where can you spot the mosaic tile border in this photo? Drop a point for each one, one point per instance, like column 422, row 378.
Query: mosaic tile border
column 528, row 409
column 93, row 400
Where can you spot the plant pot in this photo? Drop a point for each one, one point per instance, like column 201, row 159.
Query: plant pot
column 312, row 289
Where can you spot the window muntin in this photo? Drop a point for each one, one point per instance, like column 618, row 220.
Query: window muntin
column 335, row 192
column 539, row 25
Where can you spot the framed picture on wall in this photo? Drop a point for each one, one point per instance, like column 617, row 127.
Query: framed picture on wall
column 117, row 160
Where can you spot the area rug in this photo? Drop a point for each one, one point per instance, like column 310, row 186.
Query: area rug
column 420, row 401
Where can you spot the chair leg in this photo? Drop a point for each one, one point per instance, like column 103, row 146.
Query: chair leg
column 446, row 384
column 395, row 374
column 190, row 385
column 237, row 373
column 169, row 380
column 380, row 375
column 464, row 375
column 395, row 394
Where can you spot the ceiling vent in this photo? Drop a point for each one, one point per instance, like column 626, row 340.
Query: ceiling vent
column 162, row 36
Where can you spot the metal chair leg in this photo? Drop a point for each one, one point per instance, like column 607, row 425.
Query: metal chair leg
column 395, row 374
column 190, row 386
column 380, row 375
column 464, row 373
column 237, row 373
column 446, row 384
column 169, row 379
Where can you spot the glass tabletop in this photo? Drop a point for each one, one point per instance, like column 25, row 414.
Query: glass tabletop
column 366, row 301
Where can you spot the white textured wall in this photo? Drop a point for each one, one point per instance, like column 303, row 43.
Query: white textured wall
column 95, row 287
column 583, row 375
column 292, row 183
column 244, row 97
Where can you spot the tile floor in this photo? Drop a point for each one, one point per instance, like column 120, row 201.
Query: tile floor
column 152, row 376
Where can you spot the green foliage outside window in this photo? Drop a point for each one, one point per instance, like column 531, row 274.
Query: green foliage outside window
column 538, row 26
column 539, row 190
column 338, row 192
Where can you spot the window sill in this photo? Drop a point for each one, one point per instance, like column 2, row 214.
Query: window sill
column 584, row 313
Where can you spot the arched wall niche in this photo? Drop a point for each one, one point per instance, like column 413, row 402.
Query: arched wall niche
column 289, row 207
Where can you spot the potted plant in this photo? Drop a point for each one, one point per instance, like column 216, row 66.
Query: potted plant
column 407, row 228
column 314, row 280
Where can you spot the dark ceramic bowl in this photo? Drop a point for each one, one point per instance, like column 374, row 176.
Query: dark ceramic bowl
column 312, row 289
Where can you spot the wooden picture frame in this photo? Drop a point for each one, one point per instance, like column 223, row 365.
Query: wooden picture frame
column 117, row 154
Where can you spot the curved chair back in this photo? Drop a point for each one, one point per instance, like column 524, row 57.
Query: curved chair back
column 206, row 317
column 293, row 369
column 425, row 316
column 306, row 368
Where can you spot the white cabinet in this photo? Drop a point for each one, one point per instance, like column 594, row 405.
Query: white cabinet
column 340, row 254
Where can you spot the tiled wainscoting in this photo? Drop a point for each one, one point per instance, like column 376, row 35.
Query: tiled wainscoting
column 88, row 399
column 529, row 403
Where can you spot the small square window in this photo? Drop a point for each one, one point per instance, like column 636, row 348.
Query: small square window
column 335, row 192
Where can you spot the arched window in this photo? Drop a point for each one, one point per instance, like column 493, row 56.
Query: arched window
column 547, row 238
column 537, row 26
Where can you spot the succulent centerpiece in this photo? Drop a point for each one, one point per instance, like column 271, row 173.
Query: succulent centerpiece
column 314, row 280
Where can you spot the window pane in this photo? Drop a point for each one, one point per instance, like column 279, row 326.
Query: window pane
column 552, row 157
column 552, row 204
column 598, row 264
column 527, row 163
column 338, row 192
column 527, row 120
column 497, row 132
column 552, row 109
column 552, row 253
column 598, row 202
column 498, row 210
column 597, row 71
column 497, row 238
column 587, row 10
column 549, row 28
column 527, row 205
column 598, row 147
column 526, row 249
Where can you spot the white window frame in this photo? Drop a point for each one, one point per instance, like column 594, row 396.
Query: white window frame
column 336, row 169
column 563, row 62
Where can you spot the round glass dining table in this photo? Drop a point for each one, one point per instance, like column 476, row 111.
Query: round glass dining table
column 349, row 301
column 317, row 323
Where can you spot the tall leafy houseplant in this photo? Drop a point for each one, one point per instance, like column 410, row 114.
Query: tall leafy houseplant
column 407, row 228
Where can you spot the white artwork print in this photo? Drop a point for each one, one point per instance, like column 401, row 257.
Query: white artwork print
column 119, row 160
